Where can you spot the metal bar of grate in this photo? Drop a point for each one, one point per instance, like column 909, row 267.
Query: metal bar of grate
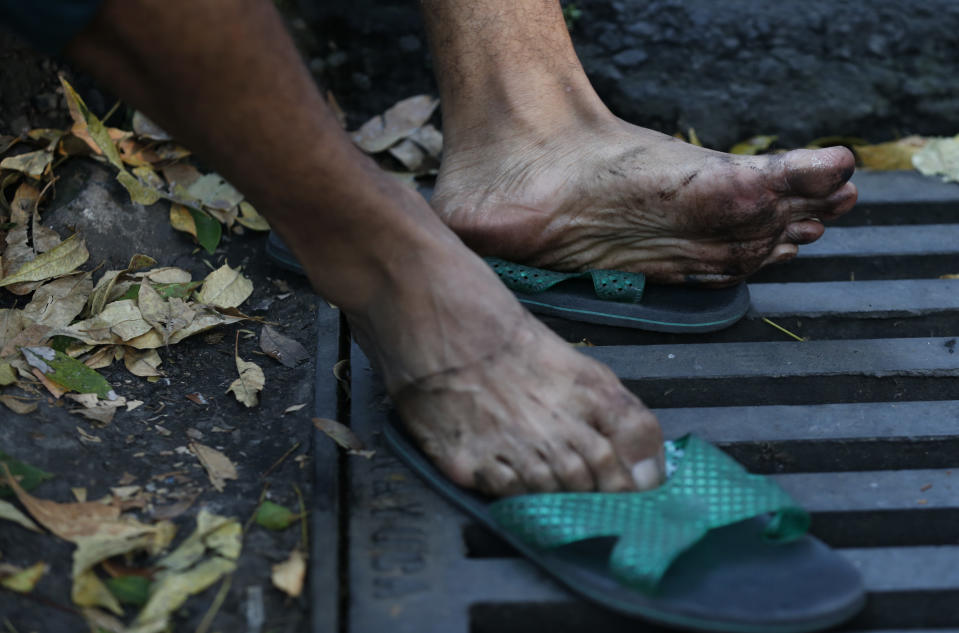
column 860, row 423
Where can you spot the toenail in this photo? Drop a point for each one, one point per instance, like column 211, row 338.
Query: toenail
column 649, row 472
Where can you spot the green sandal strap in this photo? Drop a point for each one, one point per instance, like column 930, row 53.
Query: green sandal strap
column 707, row 490
column 610, row 285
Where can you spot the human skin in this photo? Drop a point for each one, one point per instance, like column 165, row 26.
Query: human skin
column 499, row 402
column 537, row 170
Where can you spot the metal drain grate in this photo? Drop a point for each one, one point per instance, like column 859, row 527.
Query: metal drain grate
column 860, row 423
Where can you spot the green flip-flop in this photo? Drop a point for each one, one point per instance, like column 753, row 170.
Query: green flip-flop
column 713, row 549
column 613, row 297
column 607, row 297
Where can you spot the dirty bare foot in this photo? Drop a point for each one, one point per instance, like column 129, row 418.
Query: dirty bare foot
column 612, row 195
column 536, row 169
column 497, row 400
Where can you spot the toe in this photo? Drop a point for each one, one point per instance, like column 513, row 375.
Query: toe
column 496, row 478
column 537, row 474
column 571, row 469
column 782, row 253
column 804, row 232
column 607, row 470
column 814, row 173
column 841, row 201
column 829, row 208
column 634, row 433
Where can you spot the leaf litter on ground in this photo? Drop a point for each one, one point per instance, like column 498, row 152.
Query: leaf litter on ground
column 251, row 381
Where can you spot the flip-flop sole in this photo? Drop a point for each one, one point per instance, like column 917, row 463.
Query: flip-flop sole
column 662, row 309
column 731, row 581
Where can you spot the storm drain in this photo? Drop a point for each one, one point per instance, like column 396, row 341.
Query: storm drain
column 859, row 422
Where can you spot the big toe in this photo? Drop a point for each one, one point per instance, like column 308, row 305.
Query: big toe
column 816, row 173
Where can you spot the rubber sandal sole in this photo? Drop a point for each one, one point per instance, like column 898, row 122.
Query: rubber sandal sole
column 675, row 309
column 663, row 308
column 731, row 581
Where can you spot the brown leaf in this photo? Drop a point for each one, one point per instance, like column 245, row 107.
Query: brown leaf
column 282, row 348
column 180, row 174
column 63, row 259
column 118, row 322
column 343, row 436
column 397, row 123
column 23, row 580
column 409, row 154
column 24, row 201
column 225, row 287
column 145, row 128
column 113, row 281
column 57, row 303
column 69, row 521
column 32, row 164
column 143, row 363
column 249, row 384
column 890, row 156
column 19, row 405
column 430, row 139
column 218, row 466
column 55, row 390
column 939, row 158
column 36, row 334
column 137, row 154
column 288, row 576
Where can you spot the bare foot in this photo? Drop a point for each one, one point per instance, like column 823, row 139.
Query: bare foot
column 499, row 402
column 607, row 194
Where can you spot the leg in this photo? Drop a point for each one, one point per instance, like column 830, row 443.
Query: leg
column 537, row 170
column 496, row 399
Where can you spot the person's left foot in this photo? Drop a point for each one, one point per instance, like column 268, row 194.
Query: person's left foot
column 610, row 195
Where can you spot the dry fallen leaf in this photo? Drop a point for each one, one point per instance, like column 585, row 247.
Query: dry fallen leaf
column 251, row 219
column 32, row 164
column 754, row 145
column 58, row 302
column 250, row 382
column 225, row 287
column 343, row 436
column 119, row 322
column 99, row 411
column 430, row 139
column 67, row 520
column 409, row 154
column 170, row 591
column 218, row 466
column 9, row 512
column 56, row 262
column 397, row 123
column 893, row 155
column 282, row 348
column 145, row 128
column 288, row 576
column 940, row 157
column 22, row 580
column 143, row 363
column 113, row 281
column 112, row 538
column 18, row 405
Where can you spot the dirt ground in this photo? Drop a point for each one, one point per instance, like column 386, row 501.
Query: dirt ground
column 147, row 446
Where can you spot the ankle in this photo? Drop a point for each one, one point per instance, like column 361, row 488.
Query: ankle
column 522, row 112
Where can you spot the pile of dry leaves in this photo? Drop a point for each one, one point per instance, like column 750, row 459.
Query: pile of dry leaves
column 75, row 321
